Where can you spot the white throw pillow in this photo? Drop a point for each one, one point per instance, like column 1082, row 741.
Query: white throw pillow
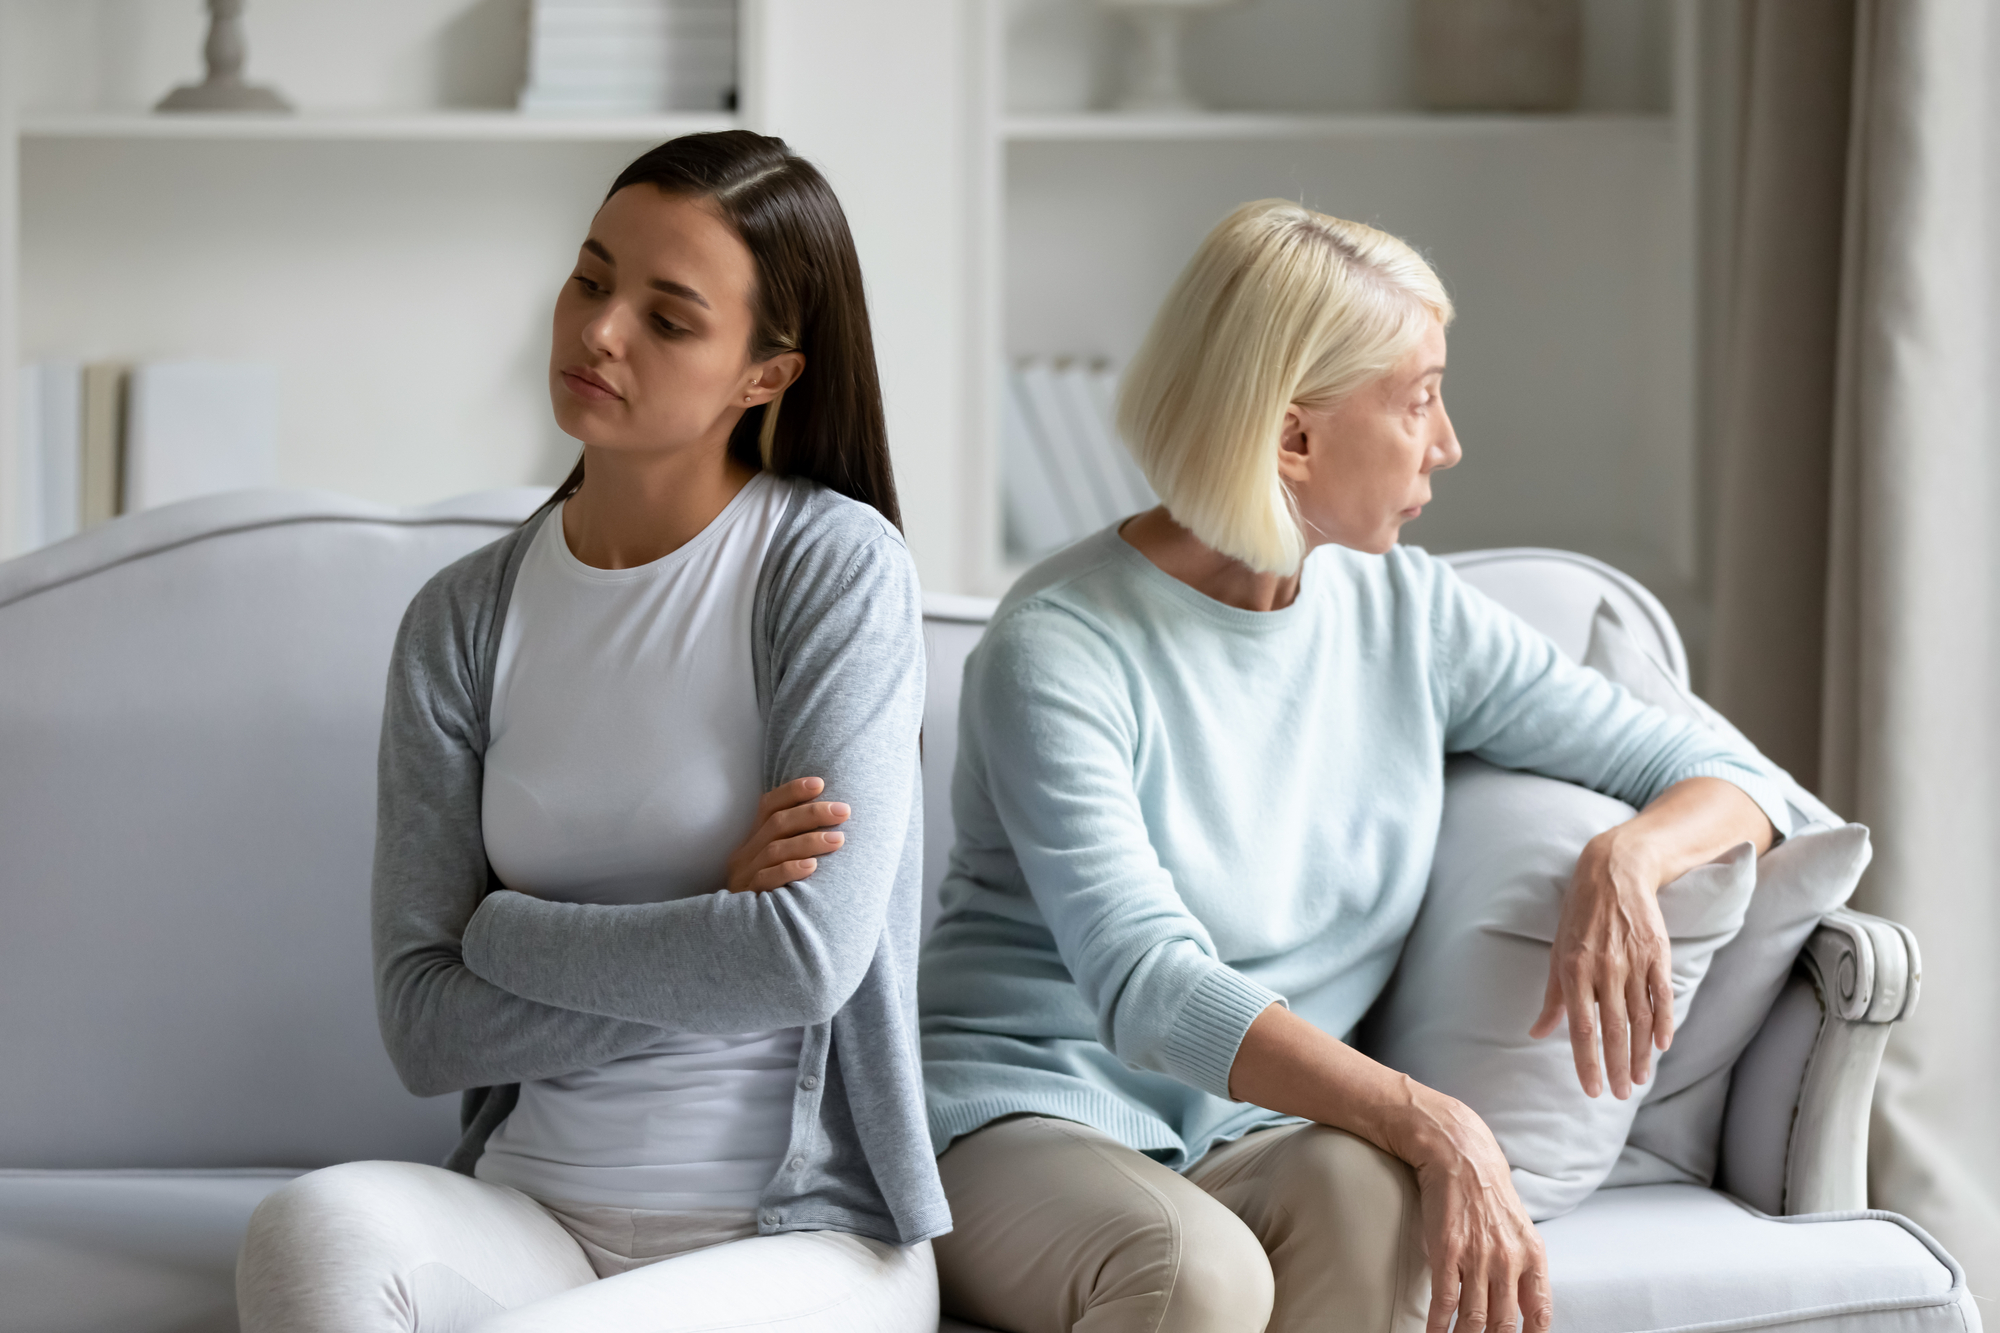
column 1471, row 979
column 1677, row 1131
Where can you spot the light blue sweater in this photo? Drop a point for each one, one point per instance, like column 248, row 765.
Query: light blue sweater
column 1172, row 813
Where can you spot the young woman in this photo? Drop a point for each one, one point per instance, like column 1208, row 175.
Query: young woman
column 692, row 1098
column 1200, row 775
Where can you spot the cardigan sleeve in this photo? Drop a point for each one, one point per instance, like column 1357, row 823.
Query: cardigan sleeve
column 847, row 691
column 1509, row 695
column 447, row 1029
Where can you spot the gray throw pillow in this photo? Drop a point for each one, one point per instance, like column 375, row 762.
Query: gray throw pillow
column 1473, row 971
column 1676, row 1132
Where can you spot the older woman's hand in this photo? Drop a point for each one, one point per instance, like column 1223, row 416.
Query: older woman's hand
column 1609, row 969
column 1486, row 1259
column 1488, row 1268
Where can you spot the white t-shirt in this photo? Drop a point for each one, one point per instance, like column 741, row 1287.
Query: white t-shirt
column 623, row 767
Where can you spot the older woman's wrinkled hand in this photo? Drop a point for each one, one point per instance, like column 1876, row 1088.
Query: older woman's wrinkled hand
column 1609, row 970
column 1488, row 1268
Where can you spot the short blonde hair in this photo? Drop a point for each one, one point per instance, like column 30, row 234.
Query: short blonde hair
column 1280, row 305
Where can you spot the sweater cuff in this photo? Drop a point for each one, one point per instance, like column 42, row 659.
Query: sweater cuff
column 1767, row 793
column 1201, row 1046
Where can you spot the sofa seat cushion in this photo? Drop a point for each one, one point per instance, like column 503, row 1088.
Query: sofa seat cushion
column 1650, row 1258
column 155, row 1252
column 134, row 1251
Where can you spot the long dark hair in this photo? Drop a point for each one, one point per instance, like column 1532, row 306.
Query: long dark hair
column 808, row 299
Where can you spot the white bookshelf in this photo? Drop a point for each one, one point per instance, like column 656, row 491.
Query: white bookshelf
column 401, row 249
column 1249, row 126
column 1566, row 239
column 395, row 246
column 443, row 127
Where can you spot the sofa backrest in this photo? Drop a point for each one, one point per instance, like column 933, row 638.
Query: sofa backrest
column 189, row 704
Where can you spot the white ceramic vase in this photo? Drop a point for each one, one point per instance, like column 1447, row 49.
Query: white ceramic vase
column 1153, row 79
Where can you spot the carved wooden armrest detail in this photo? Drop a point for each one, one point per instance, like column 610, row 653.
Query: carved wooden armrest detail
column 1867, row 971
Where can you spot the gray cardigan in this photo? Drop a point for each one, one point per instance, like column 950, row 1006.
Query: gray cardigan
column 478, row 990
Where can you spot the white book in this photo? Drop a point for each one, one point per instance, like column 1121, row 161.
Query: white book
column 198, row 427
column 1075, row 474
column 1080, row 421
column 1113, row 467
column 673, row 22
column 1101, row 386
column 1037, row 520
column 52, row 447
column 28, row 474
column 602, row 58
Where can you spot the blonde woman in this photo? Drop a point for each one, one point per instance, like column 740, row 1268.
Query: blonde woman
column 1200, row 774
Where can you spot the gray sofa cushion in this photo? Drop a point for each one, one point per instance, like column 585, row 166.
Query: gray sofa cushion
column 130, row 1251
column 1475, row 968
column 1652, row 1258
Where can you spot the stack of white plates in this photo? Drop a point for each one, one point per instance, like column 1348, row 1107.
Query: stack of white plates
column 630, row 57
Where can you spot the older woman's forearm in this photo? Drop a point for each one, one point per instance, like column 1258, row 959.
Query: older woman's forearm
column 1286, row 1064
column 1687, row 825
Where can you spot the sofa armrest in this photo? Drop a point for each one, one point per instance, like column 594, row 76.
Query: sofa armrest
column 1795, row 1139
column 1867, row 972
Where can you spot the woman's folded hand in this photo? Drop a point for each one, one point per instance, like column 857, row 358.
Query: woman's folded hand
column 793, row 831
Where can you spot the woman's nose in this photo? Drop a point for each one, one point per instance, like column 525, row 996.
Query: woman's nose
column 1445, row 448
column 601, row 334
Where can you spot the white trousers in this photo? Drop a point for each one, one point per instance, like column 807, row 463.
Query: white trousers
column 394, row 1247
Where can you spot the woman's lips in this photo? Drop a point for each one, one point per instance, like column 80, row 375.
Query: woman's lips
column 586, row 385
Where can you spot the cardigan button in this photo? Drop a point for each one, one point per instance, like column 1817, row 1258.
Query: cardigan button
column 770, row 1219
column 798, row 1164
column 809, row 1082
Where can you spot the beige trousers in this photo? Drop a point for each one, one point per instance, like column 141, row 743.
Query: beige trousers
column 1057, row 1227
column 393, row 1247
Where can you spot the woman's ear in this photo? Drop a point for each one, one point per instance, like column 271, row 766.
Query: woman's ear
column 773, row 377
column 1294, row 447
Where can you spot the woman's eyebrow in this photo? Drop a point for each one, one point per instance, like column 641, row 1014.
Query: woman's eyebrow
column 667, row 285
column 681, row 290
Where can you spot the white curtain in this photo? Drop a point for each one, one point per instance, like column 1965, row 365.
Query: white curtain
column 1870, row 655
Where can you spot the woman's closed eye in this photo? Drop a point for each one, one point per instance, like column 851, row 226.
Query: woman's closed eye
column 588, row 284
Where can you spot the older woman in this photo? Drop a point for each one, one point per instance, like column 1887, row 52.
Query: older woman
column 1200, row 773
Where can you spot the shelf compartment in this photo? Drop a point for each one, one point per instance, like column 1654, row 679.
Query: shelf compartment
column 415, row 127
column 1112, row 126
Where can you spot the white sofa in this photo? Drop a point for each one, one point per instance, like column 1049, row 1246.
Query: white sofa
column 189, row 700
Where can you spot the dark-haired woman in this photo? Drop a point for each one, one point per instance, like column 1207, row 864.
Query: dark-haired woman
column 692, row 1096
